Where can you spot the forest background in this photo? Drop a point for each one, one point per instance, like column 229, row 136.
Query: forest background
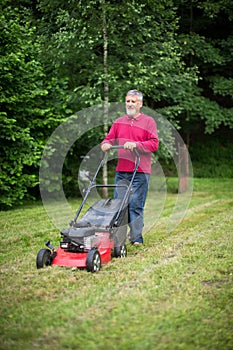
column 59, row 57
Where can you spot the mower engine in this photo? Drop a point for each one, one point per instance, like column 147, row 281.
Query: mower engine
column 79, row 239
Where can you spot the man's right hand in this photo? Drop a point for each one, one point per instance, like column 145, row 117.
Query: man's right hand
column 106, row 147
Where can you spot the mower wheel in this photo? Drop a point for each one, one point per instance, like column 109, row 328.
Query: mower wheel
column 43, row 258
column 120, row 252
column 93, row 262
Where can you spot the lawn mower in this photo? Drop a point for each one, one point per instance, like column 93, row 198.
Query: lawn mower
column 99, row 234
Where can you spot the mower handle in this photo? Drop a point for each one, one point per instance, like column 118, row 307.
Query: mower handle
column 121, row 147
column 91, row 185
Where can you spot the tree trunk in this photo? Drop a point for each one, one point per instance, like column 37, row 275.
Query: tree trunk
column 106, row 92
column 183, row 168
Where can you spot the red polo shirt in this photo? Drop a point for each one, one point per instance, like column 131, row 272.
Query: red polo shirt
column 141, row 130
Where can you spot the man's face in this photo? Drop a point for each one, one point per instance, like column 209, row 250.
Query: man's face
column 133, row 105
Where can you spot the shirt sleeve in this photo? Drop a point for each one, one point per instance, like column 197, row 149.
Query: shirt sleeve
column 151, row 143
column 111, row 136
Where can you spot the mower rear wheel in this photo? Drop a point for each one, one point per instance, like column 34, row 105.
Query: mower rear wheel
column 43, row 258
column 93, row 262
column 120, row 252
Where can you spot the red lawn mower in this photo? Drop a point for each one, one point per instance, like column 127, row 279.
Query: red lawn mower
column 99, row 235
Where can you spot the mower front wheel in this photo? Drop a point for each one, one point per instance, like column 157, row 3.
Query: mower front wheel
column 120, row 252
column 93, row 262
column 43, row 258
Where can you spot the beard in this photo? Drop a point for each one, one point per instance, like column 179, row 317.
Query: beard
column 131, row 112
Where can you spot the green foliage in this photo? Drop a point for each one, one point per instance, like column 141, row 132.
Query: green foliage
column 213, row 8
column 142, row 53
column 221, row 85
column 142, row 47
column 212, row 158
column 208, row 46
column 26, row 105
column 19, row 153
column 178, row 53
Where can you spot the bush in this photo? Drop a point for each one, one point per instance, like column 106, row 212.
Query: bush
column 212, row 157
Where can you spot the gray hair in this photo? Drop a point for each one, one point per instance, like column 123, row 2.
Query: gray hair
column 137, row 93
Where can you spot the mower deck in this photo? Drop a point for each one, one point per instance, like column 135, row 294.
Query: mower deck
column 72, row 259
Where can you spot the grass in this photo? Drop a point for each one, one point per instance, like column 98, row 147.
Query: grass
column 175, row 292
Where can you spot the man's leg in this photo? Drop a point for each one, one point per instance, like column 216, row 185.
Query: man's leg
column 136, row 206
column 121, row 179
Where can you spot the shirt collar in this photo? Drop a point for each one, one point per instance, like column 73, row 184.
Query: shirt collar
column 138, row 117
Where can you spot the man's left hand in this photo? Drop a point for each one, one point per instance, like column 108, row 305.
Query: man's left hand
column 130, row 145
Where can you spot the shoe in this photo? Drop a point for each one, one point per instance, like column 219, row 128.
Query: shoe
column 137, row 243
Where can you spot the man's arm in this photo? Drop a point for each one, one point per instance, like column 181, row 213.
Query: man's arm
column 151, row 143
column 109, row 140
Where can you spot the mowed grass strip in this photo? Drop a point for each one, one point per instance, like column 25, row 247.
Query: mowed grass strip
column 175, row 292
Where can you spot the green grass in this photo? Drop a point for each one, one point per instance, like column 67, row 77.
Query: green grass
column 175, row 292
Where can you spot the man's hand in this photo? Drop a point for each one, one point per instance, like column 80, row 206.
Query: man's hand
column 130, row 145
column 106, row 147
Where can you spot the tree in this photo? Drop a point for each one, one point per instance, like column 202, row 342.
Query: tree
column 105, row 48
column 106, row 90
column 76, row 54
column 142, row 51
column 207, row 44
column 27, row 108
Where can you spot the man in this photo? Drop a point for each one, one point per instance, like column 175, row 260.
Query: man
column 134, row 130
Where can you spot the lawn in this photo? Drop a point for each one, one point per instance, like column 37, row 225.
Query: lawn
column 175, row 292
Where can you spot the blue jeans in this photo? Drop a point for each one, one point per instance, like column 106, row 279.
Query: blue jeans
column 136, row 202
